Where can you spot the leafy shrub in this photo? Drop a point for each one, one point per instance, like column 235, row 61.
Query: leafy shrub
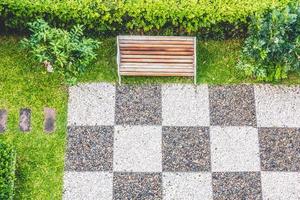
column 68, row 53
column 138, row 16
column 273, row 46
column 7, row 170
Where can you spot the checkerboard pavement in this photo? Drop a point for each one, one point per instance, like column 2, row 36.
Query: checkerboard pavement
column 183, row 142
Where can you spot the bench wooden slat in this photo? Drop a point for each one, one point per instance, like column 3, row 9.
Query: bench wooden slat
column 154, row 46
column 175, row 70
column 158, row 64
column 156, row 74
column 164, row 38
column 145, row 60
column 157, row 49
column 156, row 56
column 154, row 67
column 130, row 52
column 160, row 42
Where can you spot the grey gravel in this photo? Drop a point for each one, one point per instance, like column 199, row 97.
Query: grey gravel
column 138, row 105
column 236, row 185
column 24, row 120
column 137, row 186
column 49, row 123
column 3, row 120
column 279, row 149
column 90, row 148
column 232, row 105
column 186, row 149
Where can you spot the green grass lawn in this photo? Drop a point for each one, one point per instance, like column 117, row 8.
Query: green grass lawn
column 39, row 156
column 23, row 84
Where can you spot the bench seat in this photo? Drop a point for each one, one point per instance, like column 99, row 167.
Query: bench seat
column 156, row 56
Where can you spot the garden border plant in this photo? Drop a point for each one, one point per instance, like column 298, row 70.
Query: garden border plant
column 273, row 46
column 170, row 17
column 68, row 53
column 7, row 170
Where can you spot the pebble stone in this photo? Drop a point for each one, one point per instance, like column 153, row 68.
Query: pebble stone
column 232, row 105
column 137, row 148
column 142, row 186
column 236, row 185
column 280, row 185
column 185, row 105
column 277, row 106
column 3, row 120
column 24, row 120
column 234, row 149
column 90, row 148
column 280, row 149
column 138, row 105
column 187, row 186
column 91, row 104
column 186, row 149
column 88, row 185
column 49, row 123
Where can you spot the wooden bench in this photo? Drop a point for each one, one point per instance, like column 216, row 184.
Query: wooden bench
column 156, row 56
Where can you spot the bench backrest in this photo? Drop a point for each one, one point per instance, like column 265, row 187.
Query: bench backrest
column 156, row 56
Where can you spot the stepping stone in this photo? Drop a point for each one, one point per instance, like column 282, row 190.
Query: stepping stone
column 49, row 123
column 24, row 122
column 3, row 120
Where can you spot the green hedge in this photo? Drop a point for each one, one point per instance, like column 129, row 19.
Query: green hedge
column 7, row 170
column 137, row 16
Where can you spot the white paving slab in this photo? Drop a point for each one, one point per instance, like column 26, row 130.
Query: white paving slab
column 88, row 185
column 185, row 105
column 91, row 104
column 280, row 185
column 138, row 148
column 234, row 149
column 277, row 106
column 188, row 186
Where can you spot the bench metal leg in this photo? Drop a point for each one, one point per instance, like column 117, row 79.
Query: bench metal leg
column 119, row 79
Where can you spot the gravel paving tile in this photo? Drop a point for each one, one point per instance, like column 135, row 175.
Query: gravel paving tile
column 187, row 186
column 279, row 149
column 88, row 186
column 24, row 120
column 185, row 105
column 138, row 105
column 280, row 185
column 277, row 106
column 234, row 149
column 186, row 149
column 3, row 120
column 90, row 148
column 232, row 105
column 236, row 185
column 140, row 186
column 49, row 123
column 91, row 104
column 137, row 148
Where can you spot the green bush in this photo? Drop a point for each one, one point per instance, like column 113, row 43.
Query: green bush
column 68, row 53
column 225, row 17
column 7, row 170
column 273, row 46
